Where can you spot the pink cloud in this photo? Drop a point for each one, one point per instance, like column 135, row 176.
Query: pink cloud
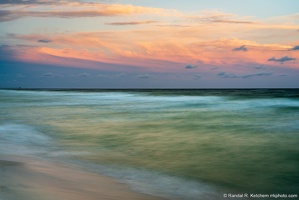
column 161, row 48
column 77, row 10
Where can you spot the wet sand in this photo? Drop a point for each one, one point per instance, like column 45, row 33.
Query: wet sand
column 23, row 178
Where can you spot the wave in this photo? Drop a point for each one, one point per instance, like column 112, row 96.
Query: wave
column 20, row 139
column 133, row 100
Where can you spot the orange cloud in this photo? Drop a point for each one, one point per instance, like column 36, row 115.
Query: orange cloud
column 159, row 55
column 160, row 48
column 76, row 9
column 132, row 23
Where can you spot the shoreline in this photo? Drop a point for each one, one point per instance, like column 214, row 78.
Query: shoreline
column 26, row 178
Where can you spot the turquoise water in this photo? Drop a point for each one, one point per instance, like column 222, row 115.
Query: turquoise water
column 178, row 144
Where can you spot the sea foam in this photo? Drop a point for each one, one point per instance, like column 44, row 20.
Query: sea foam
column 22, row 139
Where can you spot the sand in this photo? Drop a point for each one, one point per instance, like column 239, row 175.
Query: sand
column 23, row 178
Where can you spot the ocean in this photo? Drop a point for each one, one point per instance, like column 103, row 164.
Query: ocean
column 176, row 144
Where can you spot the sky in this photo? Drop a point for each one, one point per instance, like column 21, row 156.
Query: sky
column 149, row 44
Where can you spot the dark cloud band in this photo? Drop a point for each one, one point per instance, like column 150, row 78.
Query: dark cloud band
column 282, row 59
column 228, row 75
column 241, row 48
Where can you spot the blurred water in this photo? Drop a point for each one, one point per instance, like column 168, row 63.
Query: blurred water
column 182, row 142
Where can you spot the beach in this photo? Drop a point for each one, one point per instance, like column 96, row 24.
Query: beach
column 24, row 178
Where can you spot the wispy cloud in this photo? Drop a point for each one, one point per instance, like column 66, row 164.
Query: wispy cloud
column 118, row 75
column 77, row 10
column 44, row 41
column 241, row 48
column 131, row 23
column 158, row 52
column 155, row 48
column 47, row 74
column 257, row 74
column 144, row 76
column 259, row 67
column 220, row 18
column 28, row 2
column 103, row 76
column 295, row 48
column 282, row 59
column 84, row 74
column 197, row 76
column 232, row 75
column 190, row 66
column 12, row 15
column 214, row 68
column 227, row 75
